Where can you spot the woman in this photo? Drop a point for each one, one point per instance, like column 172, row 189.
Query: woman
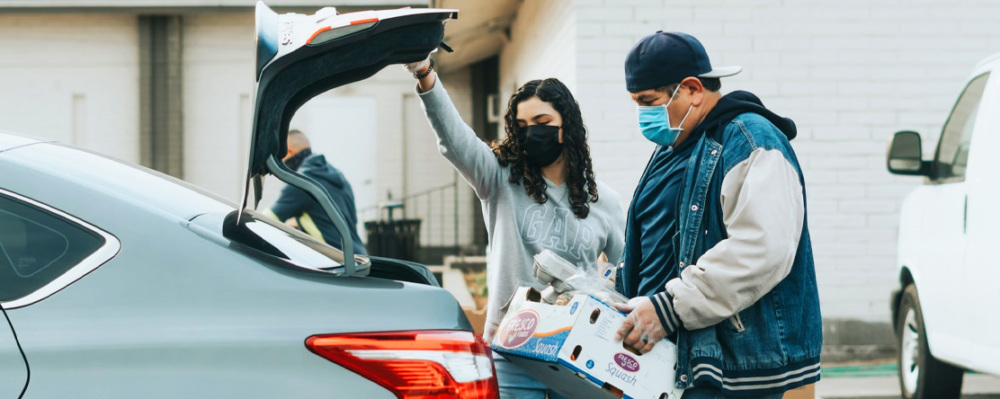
column 538, row 192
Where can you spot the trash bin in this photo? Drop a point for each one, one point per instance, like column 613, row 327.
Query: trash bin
column 390, row 238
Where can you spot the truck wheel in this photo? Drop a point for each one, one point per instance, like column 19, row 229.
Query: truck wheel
column 921, row 376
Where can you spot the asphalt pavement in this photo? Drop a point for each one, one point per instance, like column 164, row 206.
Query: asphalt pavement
column 880, row 382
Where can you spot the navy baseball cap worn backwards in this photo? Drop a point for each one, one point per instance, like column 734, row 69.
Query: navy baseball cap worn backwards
column 665, row 58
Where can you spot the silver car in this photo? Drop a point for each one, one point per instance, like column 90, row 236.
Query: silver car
column 117, row 281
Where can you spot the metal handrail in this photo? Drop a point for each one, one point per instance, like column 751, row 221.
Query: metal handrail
column 411, row 207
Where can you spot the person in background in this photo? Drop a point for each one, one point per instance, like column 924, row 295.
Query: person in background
column 296, row 208
column 538, row 191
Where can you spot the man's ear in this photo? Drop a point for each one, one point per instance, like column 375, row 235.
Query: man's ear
column 695, row 90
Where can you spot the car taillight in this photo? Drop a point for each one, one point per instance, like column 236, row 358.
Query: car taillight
column 415, row 364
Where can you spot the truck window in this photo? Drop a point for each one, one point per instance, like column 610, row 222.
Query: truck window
column 953, row 148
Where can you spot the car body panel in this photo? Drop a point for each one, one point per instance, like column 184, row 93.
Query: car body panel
column 13, row 370
column 10, row 141
column 100, row 181
column 933, row 255
column 982, row 268
column 178, row 302
column 947, row 236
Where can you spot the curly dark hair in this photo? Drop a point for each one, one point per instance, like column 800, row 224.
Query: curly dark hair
column 576, row 152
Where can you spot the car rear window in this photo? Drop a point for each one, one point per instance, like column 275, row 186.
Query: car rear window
column 36, row 247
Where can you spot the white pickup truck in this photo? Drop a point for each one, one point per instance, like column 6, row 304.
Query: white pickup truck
column 946, row 310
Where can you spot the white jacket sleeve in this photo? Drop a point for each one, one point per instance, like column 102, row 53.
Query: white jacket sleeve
column 763, row 211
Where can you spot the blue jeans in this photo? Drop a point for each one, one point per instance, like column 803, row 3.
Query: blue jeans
column 515, row 383
column 714, row 393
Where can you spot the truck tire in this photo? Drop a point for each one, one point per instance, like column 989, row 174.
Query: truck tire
column 921, row 376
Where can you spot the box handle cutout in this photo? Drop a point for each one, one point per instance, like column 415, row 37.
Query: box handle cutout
column 612, row 389
column 576, row 353
column 534, row 295
column 594, row 316
column 631, row 349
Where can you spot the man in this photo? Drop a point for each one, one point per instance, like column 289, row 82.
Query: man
column 297, row 208
column 717, row 251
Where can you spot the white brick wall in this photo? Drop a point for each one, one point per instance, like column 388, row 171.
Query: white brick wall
column 850, row 73
column 541, row 46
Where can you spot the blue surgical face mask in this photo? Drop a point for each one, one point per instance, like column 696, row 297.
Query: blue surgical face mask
column 655, row 123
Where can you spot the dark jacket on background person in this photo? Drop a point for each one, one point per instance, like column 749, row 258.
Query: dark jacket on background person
column 294, row 202
column 741, row 301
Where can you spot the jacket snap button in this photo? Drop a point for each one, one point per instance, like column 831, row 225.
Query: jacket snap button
column 714, row 152
column 684, row 378
column 682, row 264
column 694, row 207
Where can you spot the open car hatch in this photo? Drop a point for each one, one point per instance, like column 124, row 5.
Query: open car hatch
column 300, row 56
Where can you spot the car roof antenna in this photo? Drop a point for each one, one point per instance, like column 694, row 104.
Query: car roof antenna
column 319, row 193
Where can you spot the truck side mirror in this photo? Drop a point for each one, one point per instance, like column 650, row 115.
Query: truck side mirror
column 905, row 155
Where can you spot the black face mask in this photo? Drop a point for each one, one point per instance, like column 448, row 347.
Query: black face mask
column 541, row 145
column 296, row 160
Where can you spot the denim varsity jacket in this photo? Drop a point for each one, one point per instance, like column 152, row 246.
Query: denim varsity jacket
column 744, row 311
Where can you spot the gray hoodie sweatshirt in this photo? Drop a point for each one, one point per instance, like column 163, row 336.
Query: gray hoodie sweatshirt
column 518, row 226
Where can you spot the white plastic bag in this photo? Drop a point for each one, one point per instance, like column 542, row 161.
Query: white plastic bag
column 562, row 277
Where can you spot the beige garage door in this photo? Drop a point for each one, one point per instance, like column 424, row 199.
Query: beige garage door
column 72, row 78
column 218, row 59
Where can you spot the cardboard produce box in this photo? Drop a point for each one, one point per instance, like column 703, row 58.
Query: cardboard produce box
column 571, row 348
